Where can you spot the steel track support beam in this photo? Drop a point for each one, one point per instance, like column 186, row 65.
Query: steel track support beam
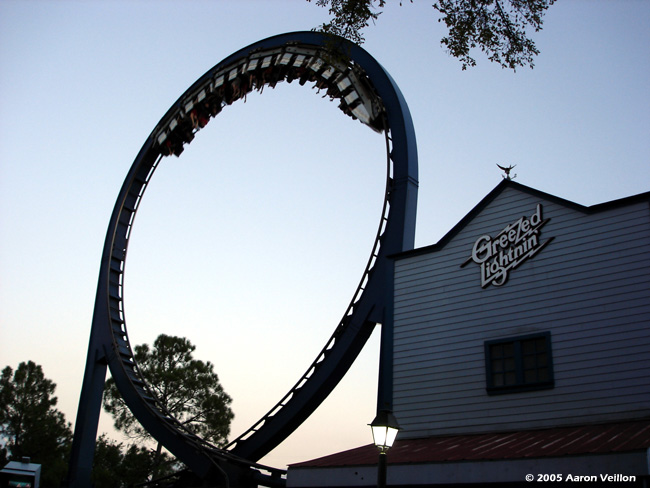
column 90, row 406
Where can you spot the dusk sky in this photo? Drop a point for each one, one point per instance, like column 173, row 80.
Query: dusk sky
column 253, row 241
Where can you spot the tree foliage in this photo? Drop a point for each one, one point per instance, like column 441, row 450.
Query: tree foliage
column 119, row 466
column 30, row 425
column 350, row 17
column 497, row 27
column 188, row 388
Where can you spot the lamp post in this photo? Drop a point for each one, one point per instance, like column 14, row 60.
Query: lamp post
column 384, row 430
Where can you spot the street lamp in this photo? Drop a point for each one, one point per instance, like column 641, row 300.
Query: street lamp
column 384, row 430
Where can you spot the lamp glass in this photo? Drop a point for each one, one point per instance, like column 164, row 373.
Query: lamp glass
column 379, row 435
column 391, row 434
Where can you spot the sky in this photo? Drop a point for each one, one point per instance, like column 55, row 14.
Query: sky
column 252, row 243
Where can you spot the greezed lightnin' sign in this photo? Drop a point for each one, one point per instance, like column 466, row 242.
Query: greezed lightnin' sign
column 514, row 245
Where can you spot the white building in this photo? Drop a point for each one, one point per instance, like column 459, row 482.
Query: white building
column 521, row 347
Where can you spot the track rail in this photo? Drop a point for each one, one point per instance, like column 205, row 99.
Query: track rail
column 367, row 93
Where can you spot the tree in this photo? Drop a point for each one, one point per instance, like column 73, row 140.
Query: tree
column 30, row 425
column 497, row 27
column 188, row 388
column 116, row 466
column 107, row 464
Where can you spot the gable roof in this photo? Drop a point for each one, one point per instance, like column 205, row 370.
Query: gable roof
column 499, row 189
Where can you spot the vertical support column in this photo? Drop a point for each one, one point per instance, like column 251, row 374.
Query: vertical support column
column 85, row 430
column 385, row 385
column 92, row 390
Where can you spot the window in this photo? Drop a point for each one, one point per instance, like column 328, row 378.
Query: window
column 519, row 364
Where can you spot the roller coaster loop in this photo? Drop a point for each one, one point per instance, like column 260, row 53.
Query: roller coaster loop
column 366, row 93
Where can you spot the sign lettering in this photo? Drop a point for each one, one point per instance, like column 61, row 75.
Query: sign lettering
column 515, row 244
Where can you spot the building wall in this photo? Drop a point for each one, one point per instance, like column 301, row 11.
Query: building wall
column 589, row 287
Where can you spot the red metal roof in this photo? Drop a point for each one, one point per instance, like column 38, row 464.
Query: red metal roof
column 555, row 442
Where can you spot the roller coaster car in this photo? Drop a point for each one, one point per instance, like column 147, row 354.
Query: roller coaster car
column 346, row 83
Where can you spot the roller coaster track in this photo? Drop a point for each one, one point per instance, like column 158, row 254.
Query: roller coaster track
column 367, row 93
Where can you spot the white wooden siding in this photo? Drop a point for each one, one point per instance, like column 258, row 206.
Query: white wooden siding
column 590, row 287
